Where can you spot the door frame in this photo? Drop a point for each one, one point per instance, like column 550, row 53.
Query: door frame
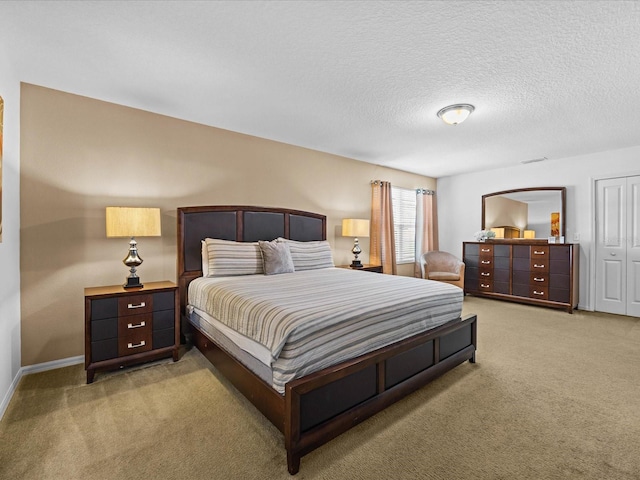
column 594, row 226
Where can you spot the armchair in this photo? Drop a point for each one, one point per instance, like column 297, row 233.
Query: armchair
column 443, row 267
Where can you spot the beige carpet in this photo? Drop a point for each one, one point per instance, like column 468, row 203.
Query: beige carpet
column 553, row 396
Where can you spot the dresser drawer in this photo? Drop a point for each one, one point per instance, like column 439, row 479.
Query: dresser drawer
column 135, row 304
column 486, row 274
column 541, row 293
column 486, row 262
column 539, row 265
column 486, row 250
column 539, row 279
column 540, row 252
column 521, row 277
column 485, row 286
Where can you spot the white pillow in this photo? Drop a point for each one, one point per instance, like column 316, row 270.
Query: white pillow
column 227, row 258
column 309, row 255
column 205, row 259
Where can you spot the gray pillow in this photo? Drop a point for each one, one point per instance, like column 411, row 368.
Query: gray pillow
column 276, row 258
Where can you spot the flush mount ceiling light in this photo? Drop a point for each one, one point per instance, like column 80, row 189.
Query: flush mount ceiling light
column 455, row 114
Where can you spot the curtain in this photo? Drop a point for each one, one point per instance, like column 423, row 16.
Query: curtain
column 382, row 243
column 426, row 225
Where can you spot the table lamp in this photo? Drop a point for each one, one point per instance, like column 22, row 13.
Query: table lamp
column 133, row 222
column 355, row 227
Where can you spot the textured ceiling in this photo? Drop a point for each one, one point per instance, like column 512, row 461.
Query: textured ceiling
column 363, row 79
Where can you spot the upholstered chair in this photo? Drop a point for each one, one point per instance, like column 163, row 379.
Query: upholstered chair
column 443, row 267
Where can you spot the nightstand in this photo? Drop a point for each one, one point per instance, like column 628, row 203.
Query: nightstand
column 128, row 326
column 365, row 267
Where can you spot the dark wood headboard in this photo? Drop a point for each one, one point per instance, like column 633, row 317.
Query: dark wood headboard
column 241, row 224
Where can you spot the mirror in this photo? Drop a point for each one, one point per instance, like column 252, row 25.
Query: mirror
column 525, row 212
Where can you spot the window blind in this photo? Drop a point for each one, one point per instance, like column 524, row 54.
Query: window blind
column 404, row 223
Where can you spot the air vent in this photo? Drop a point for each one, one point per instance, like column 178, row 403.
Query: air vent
column 535, row 160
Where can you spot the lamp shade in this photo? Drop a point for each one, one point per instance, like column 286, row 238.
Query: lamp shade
column 455, row 114
column 355, row 227
column 133, row 222
column 529, row 234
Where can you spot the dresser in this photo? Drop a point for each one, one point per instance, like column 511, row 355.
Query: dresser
column 129, row 326
column 523, row 271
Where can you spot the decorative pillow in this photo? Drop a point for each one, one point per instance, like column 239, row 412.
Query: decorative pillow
column 227, row 258
column 276, row 258
column 309, row 255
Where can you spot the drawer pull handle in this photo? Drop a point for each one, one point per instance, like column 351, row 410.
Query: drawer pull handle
column 485, row 250
column 536, row 252
column 485, row 262
column 141, row 344
column 484, row 286
column 535, row 292
column 484, row 274
column 137, row 325
column 535, row 265
column 140, row 305
column 535, row 278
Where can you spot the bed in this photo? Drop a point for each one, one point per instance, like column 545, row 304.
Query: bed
column 309, row 398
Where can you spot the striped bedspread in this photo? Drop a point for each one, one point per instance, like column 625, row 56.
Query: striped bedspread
column 313, row 319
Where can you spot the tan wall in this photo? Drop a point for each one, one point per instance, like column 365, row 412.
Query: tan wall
column 80, row 155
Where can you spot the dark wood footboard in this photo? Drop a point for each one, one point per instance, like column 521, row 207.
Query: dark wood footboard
column 320, row 406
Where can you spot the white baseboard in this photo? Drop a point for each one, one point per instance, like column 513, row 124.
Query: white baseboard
column 40, row 367
column 43, row 367
column 7, row 397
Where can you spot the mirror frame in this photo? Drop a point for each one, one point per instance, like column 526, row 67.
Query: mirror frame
column 563, row 200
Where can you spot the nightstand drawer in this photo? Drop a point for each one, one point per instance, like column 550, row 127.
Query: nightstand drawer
column 163, row 319
column 136, row 342
column 135, row 304
column 163, row 338
column 104, row 308
column 163, row 301
column 104, row 349
column 134, row 323
column 103, row 329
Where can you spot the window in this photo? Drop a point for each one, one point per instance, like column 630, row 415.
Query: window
column 404, row 223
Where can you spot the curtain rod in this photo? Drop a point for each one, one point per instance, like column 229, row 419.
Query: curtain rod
column 422, row 191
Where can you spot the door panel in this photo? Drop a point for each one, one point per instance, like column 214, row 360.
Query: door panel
column 610, row 249
column 633, row 246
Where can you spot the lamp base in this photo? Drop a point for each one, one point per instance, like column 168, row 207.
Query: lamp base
column 133, row 282
column 356, row 264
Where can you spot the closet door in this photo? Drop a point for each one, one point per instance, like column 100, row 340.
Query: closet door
column 618, row 246
column 633, row 246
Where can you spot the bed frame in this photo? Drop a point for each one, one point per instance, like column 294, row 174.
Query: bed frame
column 320, row 406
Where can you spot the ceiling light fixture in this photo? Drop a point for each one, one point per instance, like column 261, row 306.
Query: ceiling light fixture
column 455, row 114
